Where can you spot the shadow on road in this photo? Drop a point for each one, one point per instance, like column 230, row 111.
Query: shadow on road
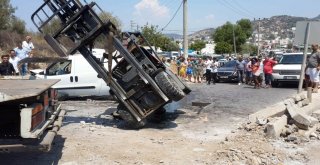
column 36, row 157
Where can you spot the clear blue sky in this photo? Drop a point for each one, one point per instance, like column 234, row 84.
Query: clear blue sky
column 202, row 13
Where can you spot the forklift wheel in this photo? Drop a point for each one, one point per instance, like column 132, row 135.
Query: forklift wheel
column 168, row 86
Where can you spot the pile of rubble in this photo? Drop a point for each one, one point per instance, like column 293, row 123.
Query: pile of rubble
column 293, row 119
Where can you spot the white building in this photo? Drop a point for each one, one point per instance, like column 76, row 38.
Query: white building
column 209, row 49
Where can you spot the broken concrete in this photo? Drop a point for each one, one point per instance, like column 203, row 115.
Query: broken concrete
column 301, row 120
column 307, row 133
column 303, row 96
column 305, row 102
column 297, row 98
column 262, row 121
column 316, row 114
column 276, row 127
column 272, row 111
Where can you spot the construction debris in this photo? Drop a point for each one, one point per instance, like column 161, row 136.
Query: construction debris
column 290, row 120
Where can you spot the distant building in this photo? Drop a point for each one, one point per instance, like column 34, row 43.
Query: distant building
column 209, row 49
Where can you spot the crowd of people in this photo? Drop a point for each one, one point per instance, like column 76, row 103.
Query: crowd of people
column 9, row 65
column 255, row 71
column 251, row 70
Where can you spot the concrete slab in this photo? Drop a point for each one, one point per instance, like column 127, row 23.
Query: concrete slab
column 307, row 133
column 272, row 111
column 316, row 114
column 300, row 120
column 276, row 127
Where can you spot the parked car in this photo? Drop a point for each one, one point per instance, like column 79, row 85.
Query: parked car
column 227, row 72
column 288, row 69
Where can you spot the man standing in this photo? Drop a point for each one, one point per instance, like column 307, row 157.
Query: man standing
column 268, row 64
column 14, row 61
column 27, row 44
column 214, row 70
column 240, row 69
column 22, row 53
column 313, row 67
column 208, row 64
column 6, row 68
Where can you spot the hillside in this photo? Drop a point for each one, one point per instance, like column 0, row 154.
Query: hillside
column 276, row 26
column 280, row 26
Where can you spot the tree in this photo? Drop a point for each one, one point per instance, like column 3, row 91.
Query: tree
column 246, row 26
column 198, row 45
column 6, row 13
column 157, row 39
column 223, row 48
column 242, row 31
column 18, row 25
column 249, row 49
column 105, row 16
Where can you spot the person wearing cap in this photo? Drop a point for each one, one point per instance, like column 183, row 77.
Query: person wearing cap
column 6, row 68
column 313, row 67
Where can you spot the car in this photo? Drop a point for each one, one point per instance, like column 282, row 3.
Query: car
column 288, row 69
column 227, row 72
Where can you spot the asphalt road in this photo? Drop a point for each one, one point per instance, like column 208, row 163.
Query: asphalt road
column 232, row 102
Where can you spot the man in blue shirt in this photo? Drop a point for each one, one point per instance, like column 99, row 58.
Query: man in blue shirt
column 22, row 53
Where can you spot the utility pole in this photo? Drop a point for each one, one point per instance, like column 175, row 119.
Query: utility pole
column 258, row 52
column 132, row 24
column 185, row 28
column 303, row 66
column 234, row 41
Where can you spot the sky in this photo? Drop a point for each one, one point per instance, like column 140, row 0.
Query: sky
column 202, row 14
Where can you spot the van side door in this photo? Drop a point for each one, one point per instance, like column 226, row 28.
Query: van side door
column 86, row 81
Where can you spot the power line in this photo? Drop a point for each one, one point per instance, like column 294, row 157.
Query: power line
column 174, row 15
column 244, row 9
column 227, row 4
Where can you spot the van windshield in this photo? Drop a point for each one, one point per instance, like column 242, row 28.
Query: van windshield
column 291, row 59
column 59, row 68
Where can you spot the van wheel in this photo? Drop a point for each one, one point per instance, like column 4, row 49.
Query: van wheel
column 129, row 119
column 168, row 86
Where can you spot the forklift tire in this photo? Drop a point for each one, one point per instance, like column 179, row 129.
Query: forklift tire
column 168, row 86
column 129, row 119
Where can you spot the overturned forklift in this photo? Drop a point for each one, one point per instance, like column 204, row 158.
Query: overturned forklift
column 139, row 80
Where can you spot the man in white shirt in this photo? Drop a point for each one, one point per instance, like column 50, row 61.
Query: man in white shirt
column 14, row 61
column 208, row 64
column 27, row 44
column 214, row 70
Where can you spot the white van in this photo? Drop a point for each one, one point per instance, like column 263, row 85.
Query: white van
column 77, row 77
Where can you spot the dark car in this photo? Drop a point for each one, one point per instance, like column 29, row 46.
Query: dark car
column 227, row 72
